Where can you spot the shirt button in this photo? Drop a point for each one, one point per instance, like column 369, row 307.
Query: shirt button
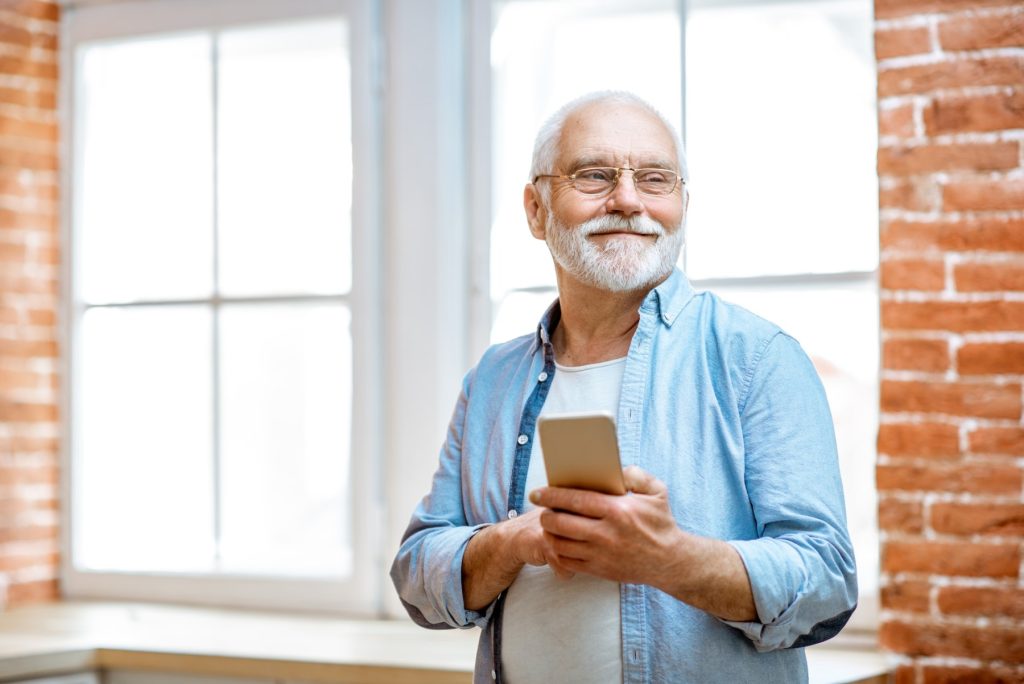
column 512, row 514
column 523, row 439
column 542, row 377
column 494, row 675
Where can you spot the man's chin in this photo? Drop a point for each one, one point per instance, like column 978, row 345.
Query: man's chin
column 623, row 281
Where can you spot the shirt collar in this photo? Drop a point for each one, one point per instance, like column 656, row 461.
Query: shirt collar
column 667, row 300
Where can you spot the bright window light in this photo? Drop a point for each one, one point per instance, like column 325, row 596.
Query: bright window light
column 213, row 369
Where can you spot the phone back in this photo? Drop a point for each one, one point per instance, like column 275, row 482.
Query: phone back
column 582, row 452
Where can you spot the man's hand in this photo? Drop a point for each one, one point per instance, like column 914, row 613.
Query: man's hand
column 623, row 538
column 496, row 554
column 635, row 539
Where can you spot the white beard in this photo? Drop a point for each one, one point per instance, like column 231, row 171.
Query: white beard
column 622, row 264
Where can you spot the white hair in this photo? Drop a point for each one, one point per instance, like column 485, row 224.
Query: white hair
column 545, row 148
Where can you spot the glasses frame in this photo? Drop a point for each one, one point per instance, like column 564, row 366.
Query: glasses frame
column 615, row 183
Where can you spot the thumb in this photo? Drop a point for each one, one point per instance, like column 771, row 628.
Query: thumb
column 640, row 481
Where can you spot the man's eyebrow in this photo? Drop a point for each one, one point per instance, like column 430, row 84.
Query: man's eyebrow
column 588, row 162
column 649, row 163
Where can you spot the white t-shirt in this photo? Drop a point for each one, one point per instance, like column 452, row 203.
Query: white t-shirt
column 556, row 630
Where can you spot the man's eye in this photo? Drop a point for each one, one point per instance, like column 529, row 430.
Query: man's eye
column 600, row 175
column 656, row 176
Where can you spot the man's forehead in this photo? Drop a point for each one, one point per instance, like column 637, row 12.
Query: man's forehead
column 610, row 133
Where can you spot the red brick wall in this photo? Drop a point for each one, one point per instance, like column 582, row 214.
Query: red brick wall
column 951, row 441
column 29, row 263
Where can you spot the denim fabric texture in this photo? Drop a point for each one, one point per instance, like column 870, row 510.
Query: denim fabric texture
column 728, row 411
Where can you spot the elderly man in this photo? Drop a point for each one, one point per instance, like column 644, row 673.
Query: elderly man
column 730, row 551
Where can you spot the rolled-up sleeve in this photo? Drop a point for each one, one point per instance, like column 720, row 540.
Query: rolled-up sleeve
column 427, row 571
column 801, row 566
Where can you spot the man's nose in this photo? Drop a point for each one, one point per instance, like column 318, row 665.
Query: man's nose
column 624, row 198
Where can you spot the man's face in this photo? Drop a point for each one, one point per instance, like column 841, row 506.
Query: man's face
column 624, row 240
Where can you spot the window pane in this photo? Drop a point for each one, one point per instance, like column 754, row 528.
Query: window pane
column 285, row 159
column 782, row 146
column 543, row 54
column 519, row 312
column 837, row 325
column 145, row 156
column 144, row 472
column 286, row 379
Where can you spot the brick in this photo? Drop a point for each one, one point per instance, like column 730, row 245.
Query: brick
column 20, row 380
column 921, row 355
column 916, row 194
column 994, row 235
column 991, row 358
column 21, row 444
column 13, row 253
column 963, row 641
column 24, row 159
column 899, row 42
column 905, row 674
column 983, row 601
column 898, row 121
column 40, row 99
column 887, row 9
column 42, row 316
column 978, row 33
column 901, row 516
column 917, row 159
column 9, row 562
column 965, row 114
column 964, row 674
column 15, row 66
column 918, row 439
column 35, row 9
column 965, row 478
column 983, row 195
column 978, row 518
column 910, row 596
column 988, row 316
column 994, row 277
column 997, row 440
column 983, row 400
column 20, row 412
column 20, row 533
column 39, row 475
column 950, row 74
column 31, row 592
column 950, row 558
column 913, row 274
column 37, row 130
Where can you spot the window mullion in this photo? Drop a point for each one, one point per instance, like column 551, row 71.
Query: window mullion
column 215, row 306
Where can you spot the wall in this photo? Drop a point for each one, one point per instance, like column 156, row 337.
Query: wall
column 29, row 262
column 951, row 442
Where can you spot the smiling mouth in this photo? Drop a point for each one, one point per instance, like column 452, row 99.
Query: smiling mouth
column 623, row 232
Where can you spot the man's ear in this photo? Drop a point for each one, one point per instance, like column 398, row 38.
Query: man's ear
column 536, row 213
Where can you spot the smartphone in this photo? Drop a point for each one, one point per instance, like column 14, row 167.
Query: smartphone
column 581, row 451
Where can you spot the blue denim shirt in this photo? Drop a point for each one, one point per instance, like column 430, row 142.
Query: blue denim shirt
column 727, row 410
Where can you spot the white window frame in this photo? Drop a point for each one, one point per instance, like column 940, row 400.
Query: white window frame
column 360, row 594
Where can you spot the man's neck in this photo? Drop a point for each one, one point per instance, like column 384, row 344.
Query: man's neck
column 596, row 325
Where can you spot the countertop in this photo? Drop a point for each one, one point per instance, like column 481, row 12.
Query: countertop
column 63, row 637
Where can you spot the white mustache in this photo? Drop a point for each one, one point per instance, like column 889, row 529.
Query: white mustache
column 638, row 225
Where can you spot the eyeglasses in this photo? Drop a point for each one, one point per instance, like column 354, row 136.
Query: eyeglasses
column 601, row 180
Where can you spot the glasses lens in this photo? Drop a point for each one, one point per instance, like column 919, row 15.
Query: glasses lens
column 595, row 181
column 655, row 181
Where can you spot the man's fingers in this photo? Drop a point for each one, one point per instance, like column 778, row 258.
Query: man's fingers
column 567, row 525
column 642, row 482
column 578, row 501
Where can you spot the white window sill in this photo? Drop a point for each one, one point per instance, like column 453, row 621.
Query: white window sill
column 56, row 638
